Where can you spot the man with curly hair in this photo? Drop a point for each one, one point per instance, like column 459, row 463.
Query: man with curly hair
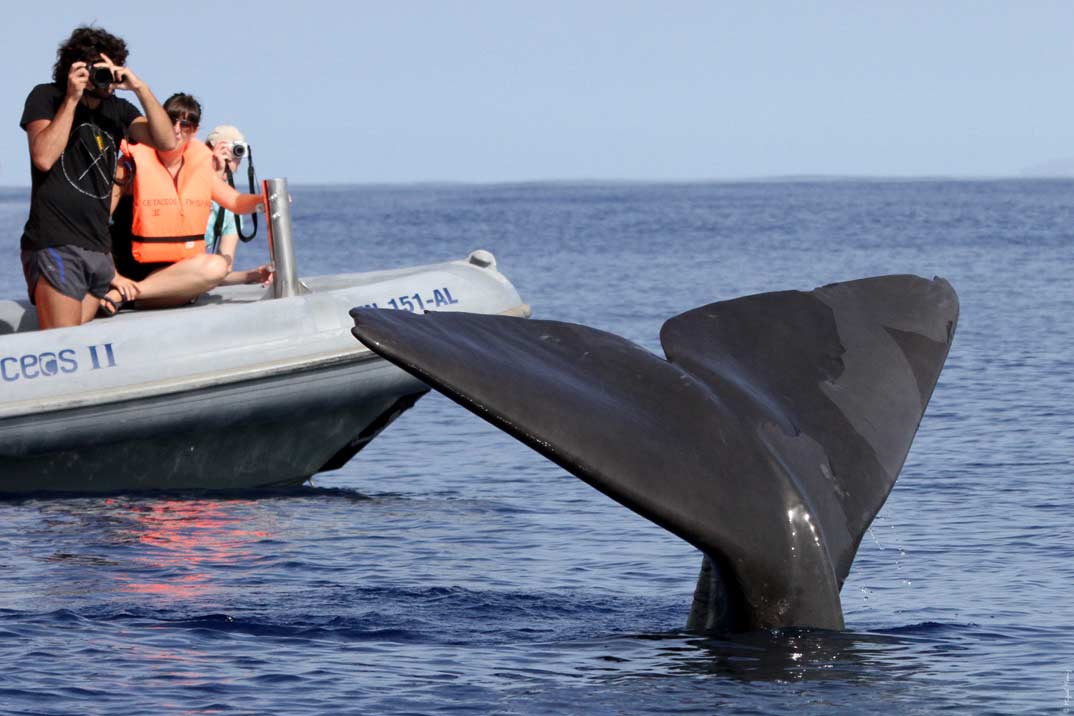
column 74, row 126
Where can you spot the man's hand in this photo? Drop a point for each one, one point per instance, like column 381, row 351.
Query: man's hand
column 124, row 77
column 77, row 79
column 128, row 289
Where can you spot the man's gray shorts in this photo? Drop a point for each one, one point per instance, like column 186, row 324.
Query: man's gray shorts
column 71, row 270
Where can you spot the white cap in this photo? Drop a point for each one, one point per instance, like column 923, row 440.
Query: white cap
column 224, row 133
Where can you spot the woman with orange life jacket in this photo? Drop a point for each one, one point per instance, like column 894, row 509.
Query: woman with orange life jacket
column 173, row 191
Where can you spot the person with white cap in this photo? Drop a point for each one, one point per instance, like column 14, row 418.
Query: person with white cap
column 222, row 233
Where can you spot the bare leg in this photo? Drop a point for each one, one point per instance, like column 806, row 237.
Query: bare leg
column 90, row 305
column 179, row 283
column 54, row 310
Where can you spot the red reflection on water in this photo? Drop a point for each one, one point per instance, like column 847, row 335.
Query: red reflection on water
column 180, row 542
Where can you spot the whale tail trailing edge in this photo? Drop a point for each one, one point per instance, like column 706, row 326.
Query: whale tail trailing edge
column 769, row 438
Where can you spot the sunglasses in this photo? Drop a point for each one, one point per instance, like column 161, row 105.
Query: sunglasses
column 184, row 123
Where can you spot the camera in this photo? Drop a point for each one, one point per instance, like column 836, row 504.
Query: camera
column 100, row 75
column 239, row 149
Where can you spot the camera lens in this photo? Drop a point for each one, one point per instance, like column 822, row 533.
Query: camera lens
column 238, row 150
column 100, row 77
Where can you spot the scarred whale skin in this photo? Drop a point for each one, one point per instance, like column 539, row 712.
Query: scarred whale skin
column 769, row 438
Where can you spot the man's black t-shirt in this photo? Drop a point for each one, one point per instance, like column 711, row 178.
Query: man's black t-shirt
column 69, row 203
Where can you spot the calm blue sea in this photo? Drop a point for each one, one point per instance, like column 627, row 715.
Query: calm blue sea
column 448, row 569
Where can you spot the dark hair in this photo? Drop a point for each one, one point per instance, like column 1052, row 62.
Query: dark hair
column 185, row 106
column 86, row 42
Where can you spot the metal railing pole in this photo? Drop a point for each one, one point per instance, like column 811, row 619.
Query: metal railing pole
column 281, row 249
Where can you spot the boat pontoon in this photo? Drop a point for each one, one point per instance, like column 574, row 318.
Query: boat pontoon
column 247, row 387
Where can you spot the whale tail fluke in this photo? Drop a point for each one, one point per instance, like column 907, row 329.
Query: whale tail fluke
column 769, row 438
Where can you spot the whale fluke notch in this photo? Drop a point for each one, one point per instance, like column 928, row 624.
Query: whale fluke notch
column 769, row 438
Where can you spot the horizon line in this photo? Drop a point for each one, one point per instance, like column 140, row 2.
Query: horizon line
column 759, row 179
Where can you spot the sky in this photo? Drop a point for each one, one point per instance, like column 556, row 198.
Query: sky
column 668, row 90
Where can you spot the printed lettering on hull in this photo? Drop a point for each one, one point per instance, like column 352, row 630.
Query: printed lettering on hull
column 49, row 364
column 416, row 302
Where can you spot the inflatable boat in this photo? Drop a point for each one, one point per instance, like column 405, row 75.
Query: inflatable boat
column 245, row 388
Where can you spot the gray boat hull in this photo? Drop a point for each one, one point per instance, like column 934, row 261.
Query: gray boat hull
column 240, row 392
column 216, row 438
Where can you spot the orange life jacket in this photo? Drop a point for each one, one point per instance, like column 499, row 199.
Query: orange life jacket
column 170, row 216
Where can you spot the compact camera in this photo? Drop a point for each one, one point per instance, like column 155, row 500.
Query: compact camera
column 239, row 149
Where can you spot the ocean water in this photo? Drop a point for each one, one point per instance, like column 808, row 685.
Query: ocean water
column 449, row 569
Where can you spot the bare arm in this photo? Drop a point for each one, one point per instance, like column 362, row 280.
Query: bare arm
column 147, row 131
column 117, row 194
column 261, row 274
column 48, row 137
column 232, row 200
column 154, row 129
column 122, row 185
column 228, row 242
